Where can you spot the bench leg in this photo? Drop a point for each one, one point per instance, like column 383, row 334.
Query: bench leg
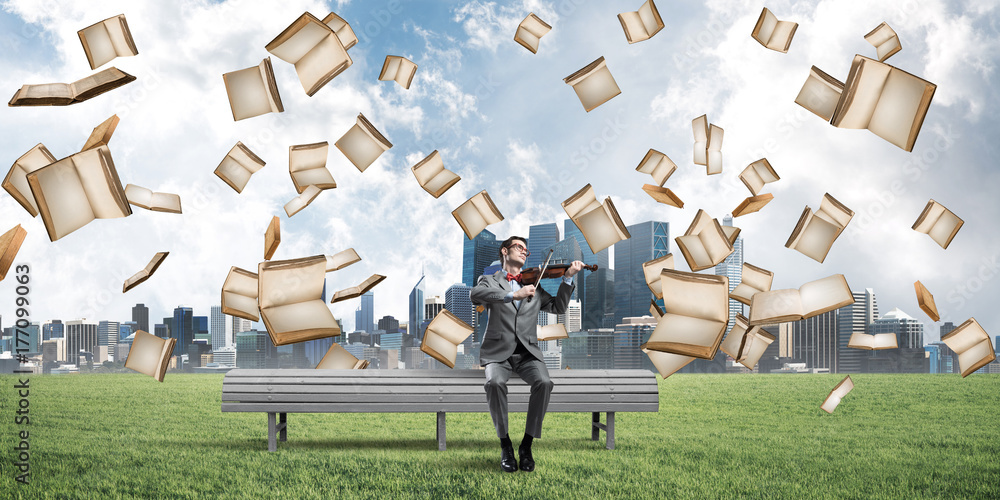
column 440, row 431
column 272, row 444
column 610, row 431
column 283, row 425
column 595, row 433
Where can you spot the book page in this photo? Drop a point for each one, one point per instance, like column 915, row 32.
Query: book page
column 146, row 353
column 652, row 269
column 650, row 19
column 888, row 48
column 773, row 304
column 689, row 330
column 744, row 293
column 98, row 83
column 945, row 227
column 900, row 110
column 307, row 157
column 441, row 182
column 470, row 219
column 596, row 88
column 299, row 38
column 817, row 238
column 246, row 158
column 583, row 201
column 119, row 38
column 598, row 229
column 247, row 94
column 241, row 282
column 102, row 189
column 405, row 73
column 834, row 212
column 535, row 25
column 965, row 337
column 695, row 295
column 635, row 30
column 390, row 68
column 341, row 259
column 820, row 94
column 234, row 173
column 321, row 64
column 767, row 23
column 63, row 201
column 16, row 182
column 825, row 294
column 756, row 277
column 343, row 30
column 166, row 202
column 885, row 341
column 101, row 48
column 667, row 363
column 319, row 177
column 863, row 90
column 42, row 90
column 337, row 358
column 139, row 196
column 444, row 349
column 781, row 35
column 700, row 128
column 694, row 248
column 282, row 282
column 716, row 245
column 449, row 327
column 972, row 355
column 860, row 340
column 359, row 147
column 294, row 317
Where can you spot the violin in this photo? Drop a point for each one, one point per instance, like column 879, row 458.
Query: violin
column 530, row 275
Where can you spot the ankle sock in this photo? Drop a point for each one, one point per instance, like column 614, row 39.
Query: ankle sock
column 526, row 442
column 505, row 441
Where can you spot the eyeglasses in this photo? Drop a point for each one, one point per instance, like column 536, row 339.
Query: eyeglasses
column 520, row 248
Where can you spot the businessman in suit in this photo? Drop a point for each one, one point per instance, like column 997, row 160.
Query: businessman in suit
column 511, row 344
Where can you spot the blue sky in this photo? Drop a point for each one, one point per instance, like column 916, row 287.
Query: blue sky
column 504, row 120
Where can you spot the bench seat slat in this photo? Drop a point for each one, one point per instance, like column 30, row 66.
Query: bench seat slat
column 428, row 407
column 411, row 373
column 442, row 381
column 432, row 398
column 332, row 387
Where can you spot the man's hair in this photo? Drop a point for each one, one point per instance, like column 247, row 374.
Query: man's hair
column 508, row 242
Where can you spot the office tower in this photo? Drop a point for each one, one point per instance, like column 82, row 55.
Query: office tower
column 255, row 350
column 140, row 314
column 649, row 240
column 217, row 328
column 239, row 325
column 541, row 237
column 592, row 349
column 127, row 328
column 107, row 334
column 909, row 357
column 432, row 306
column 388, row 324
column 851, row 319
column 629, row 335
column 34, row 339
column 160, row 330
column 364, row 315
column 732, row 268
column 945, row 358
column 201, row 331
column 594, row 307
column 168, row 323
column 53, row 351
column 457, row 300
column 946, row 328
column 814, row 341
column 478, row 253
column 571, row 319
column 416, row 317
column 225, row 356
column 317, row 348
column 182, row 329
column 52, row 330
column 81, row 335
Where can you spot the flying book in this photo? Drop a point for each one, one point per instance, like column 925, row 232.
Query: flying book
column 663, row 195
column 307, row 166
column 10, row 243
column 745, row 343
column 667, row 363
column 237, row 167
column 272, row 237
column 697, row 310
column 106, row 40
column 599, row 222
column 772, row 33
column 357, row 291
column 972, row 344
column 530, row 31
column 885, row 41
column 705, row 244
column 888, row 101
column 939, row 223
column 302, row 201
column 654, row 310
column 337, row 358
column 239, row 294
column 432, row 176
column 253, row 91
column 707, row 145
column 552, row 332
column 342, row 28
column 442, row 336
column 64, row 94
column 316, row 51
column 150, row 355
column 815, row 232
column 398, row 69
column 757, row 174
column 102, row 133
column 290, row 297
column 830, row 403
column 754, row 280
column 651, row 269
column 820, row 94
column 657, row 165
column 593, row 84
column 16, row 181
column 341, row 259
column 926, row 301
column 752, row 204
column 477, row 213
column 875, row 342
column 363, row 144
column 76, row 190
column 642, row 24
column 157, row 202
column 811, row 299
column 146, row 272
column 731, row 232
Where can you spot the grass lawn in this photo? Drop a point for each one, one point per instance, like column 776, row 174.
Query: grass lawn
column 715, row 436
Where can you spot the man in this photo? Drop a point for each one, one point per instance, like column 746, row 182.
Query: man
column 511, row 344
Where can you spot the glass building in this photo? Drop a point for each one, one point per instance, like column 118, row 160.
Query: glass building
column 649, row 240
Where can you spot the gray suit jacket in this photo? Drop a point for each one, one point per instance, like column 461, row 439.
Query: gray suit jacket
column 506, row 320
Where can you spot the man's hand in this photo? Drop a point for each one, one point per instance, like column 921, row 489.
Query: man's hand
column 574, row 268
column 526, row 291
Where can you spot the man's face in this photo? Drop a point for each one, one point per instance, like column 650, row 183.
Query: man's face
column 517, row 253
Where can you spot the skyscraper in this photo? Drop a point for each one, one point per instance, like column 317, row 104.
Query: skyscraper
column 732, row 268
column 81, row 335
column 814, row 341
column 649, row 240
column 417, row 309
column 628, row 337
column 594, row 306
column 107, row 334
column 457, row 300
column 217, row 328
column 432, row 306
column 851, row 319
column 52, row 330
column 140, row 314
column 364, row 316
column 477, row 253
column 182, row 329
column 909, row 356
column 540, row 238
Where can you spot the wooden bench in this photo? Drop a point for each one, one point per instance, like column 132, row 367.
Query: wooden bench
column 279, row 392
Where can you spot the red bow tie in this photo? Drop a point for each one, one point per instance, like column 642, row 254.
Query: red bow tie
column 514, row 277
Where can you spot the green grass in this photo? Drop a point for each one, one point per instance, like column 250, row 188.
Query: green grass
column 715, row 436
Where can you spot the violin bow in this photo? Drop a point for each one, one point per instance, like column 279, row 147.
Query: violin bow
column 544, row 267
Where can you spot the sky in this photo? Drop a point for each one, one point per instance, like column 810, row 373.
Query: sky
column 504, row 120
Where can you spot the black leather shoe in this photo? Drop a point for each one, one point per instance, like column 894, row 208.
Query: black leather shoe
column 507, row 461
column 527, row 463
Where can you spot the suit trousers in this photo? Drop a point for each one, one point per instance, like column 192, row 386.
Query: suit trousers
column 535, row 374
